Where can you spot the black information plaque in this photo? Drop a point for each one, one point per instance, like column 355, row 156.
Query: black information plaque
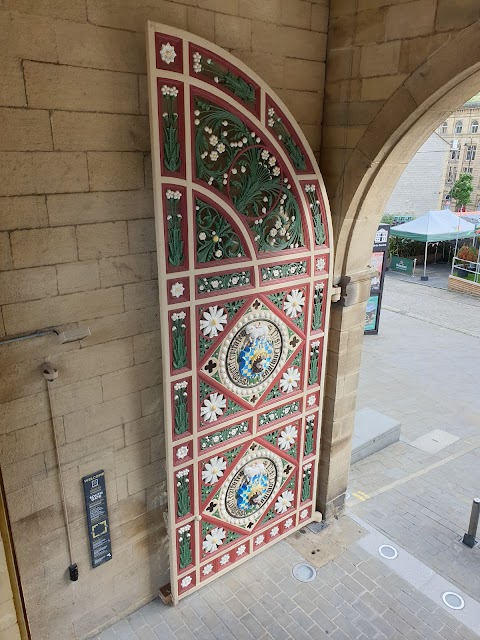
column 97, row 518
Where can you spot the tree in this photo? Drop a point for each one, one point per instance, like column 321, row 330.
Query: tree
column 462, row 190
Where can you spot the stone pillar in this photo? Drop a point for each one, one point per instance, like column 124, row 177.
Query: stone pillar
column 9, row 629
column 343, row 365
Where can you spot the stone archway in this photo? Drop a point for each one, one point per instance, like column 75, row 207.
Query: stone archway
column 444, row 81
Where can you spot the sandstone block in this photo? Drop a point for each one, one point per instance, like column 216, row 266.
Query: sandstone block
column 304, row 75
column 381, row 88
column 86, row 45
column 122, row 325
column 341, row 32
column 157, row 451
column 25, row 212
column 27, row 442
column 339, row 67
column 141, row 235
column 77, row 396
column 27, row 284
column 35, row 247
column 16, row 174
column 341, row 8
column 456, row 15
column 144, row 428
column 111, row 171
column 147, row 170
column 97, row 241
column 306, row 106
column 12, row 88
column 141, row 295
column 86, row 422
column 99, row 132
column 103, row 358
column 268, row 11
column 136, row 378
column 5, row 252
column 412, row 19
column 220, row 6
column 147, row 346
column 23, row 473
column 23, row 412
column 371, row 26
column 380, row 59
column 25, row 130
column 415, row 51
column 201, row 23
column 313, row 134
column 71, row 10
column 60, row 172
column 20, row 505
column 122, row 270
column 232, row 32
column 132, row 15
column 78, row 276
column 143, row 94
column 122, row 489
column 83, row 208
column 320, row 17
column 143, row 478
column 74, row 307
column 132, row 457
column 109, row 440
column 296, row 13
column 151, row 399
column 288, row 41
column 8, row 619
column 77, row 89
column 27, row 36
column 269, row 67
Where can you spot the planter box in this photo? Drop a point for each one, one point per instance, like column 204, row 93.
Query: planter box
column 463, row 285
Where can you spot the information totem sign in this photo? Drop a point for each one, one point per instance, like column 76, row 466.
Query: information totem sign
column 244, row 262
column 95, row 494
column 379, row 263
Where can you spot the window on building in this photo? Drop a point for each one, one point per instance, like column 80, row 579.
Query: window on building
column 458, row 126
column 455, row 154
column 470, row 151
column 467, row 170
column 474, row 126
column 444, row 127
column 452, row 174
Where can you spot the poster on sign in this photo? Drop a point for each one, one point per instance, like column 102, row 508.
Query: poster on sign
column 378, row 263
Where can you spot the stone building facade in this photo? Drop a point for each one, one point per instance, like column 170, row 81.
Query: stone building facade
column 77, row 245
column 420, row 187
column 462, row 131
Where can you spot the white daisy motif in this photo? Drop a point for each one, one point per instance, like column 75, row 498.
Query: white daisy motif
column 274, row 532
column 186, row 582
column 213, row 407
column 287, row 437
column 214, row 539
column 182, row 452
column 177, row 290
column 259, row 539
column 208, row 568
column 290, row 379
column 288, row 523
column 284, row 501
column 264, row 154
column 294, row 302
column 303, row 514
column 321, row 264
column 311, row 401
column 241, row 550
column 213, row 140
column 213, row 470
column 213, row 321
column 168, row 53
column 224, row 559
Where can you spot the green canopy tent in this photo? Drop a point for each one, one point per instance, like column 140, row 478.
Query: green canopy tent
column 434, row 226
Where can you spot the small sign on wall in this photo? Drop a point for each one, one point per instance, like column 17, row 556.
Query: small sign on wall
column 97, row 518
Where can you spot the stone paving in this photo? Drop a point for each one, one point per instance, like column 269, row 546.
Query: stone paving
column 426, row 376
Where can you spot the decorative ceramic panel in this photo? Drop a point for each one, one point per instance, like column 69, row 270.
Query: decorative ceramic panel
column 243, row 239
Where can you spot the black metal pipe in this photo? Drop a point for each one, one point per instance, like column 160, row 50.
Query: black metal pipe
column 469, row 538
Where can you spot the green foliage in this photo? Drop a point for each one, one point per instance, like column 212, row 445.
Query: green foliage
column 468, row 253
column 405, row 248
column 387, row 218
column 462, row 190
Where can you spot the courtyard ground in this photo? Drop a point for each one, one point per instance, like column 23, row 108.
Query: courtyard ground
column 423, row 369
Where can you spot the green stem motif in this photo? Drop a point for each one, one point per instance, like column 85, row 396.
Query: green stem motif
column 276, row 124
column 174, row 226
column 318, row 227
column 222, row 436
column 223, row 76
column 314, row 355
column 317, row 307
column 179, row 344
column 183, row 493
column 306, row 482
column 180, row 408
column 216, row 240
column 185, row 546
column 309, row 429
column 223, row 281
column 286, row 270
column 171, row 146
column 279, row 412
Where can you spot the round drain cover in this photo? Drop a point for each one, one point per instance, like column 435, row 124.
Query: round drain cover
column 453, row 600
column 304, row 572
column 387, row 551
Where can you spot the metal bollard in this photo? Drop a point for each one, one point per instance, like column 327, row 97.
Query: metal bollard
column 469, row 537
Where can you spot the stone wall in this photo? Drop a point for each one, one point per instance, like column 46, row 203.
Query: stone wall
column 77, row 245
column 8, row 618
